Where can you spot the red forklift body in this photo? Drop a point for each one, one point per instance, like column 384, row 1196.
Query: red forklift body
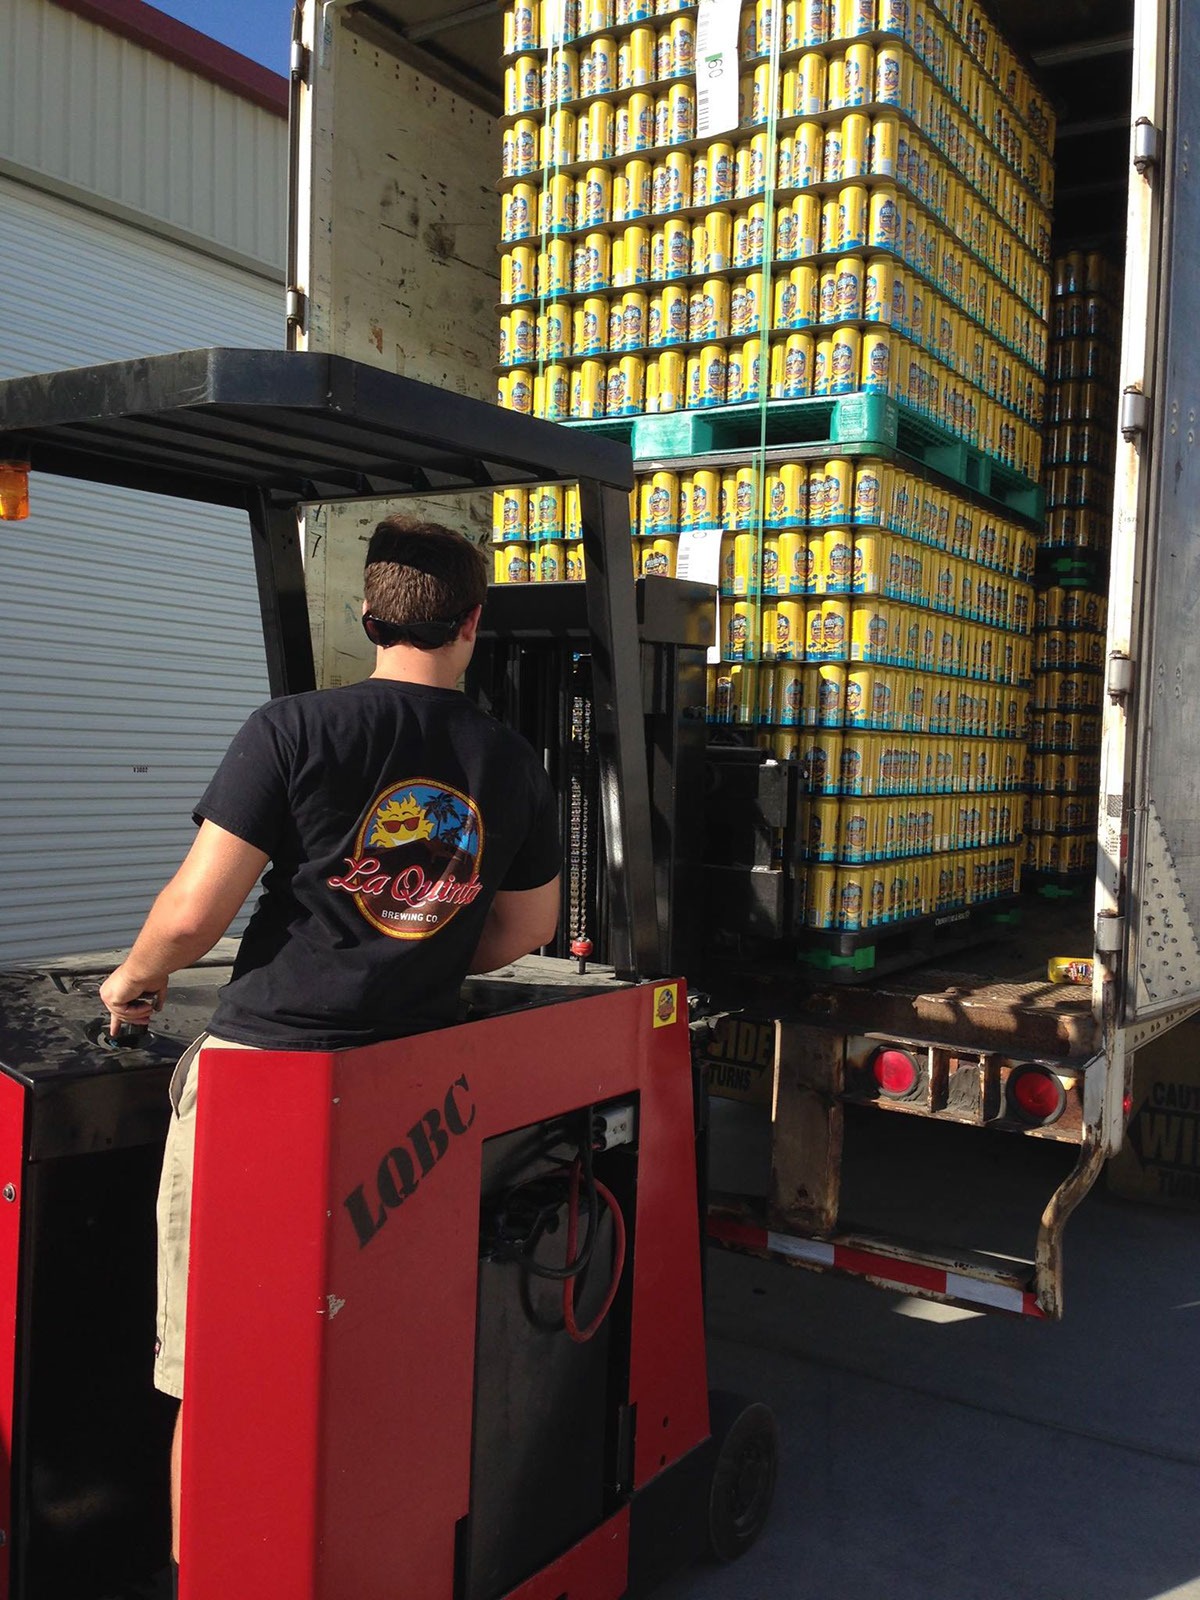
column 334, row 1299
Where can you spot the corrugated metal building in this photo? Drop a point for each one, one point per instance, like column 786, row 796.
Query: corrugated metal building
column 142, row 193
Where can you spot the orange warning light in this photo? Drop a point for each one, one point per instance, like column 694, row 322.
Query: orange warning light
column 14, row 491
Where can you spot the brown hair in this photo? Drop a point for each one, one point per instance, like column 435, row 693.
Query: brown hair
column 422, row 572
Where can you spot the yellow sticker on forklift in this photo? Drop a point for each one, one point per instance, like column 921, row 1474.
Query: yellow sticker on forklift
column 666, row 1005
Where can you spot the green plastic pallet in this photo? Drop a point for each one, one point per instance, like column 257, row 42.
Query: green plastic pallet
column 859, row 424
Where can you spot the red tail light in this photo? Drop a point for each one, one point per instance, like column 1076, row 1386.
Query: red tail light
column 1036, row 1096
column 895, row 1072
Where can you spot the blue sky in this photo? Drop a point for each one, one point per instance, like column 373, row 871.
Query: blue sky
column 260, row 29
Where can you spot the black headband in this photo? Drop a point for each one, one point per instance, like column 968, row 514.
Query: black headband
column 425, row 635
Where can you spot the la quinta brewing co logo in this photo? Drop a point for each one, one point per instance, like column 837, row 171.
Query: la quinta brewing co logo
column 416, row 859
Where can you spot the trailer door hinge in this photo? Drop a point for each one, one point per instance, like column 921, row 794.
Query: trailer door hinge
column 301, row 61
column 297, row 308
column 1147, row 145
column 1110, row 933
column 1135, row 414
column 1120, row 676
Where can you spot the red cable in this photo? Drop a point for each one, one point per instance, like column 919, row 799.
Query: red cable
column 582, row 1335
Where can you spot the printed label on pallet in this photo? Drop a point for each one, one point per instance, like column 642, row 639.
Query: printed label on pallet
column 717, row 109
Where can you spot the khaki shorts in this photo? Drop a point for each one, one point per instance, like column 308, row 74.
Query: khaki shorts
column 175, row 1216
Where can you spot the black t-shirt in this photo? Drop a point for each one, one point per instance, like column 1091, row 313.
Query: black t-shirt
column 392, row 813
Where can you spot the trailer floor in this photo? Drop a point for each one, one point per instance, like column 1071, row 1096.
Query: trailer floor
column 930, row 1453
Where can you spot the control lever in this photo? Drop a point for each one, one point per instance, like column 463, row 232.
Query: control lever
column 128, row 1035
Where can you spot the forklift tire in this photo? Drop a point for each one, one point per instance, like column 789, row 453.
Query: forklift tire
column 743, row 1477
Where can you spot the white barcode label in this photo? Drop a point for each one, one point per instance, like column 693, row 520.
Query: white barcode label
column 717, row 67
column 698, row 557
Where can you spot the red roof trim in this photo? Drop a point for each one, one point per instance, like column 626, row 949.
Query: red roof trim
column 176, row 42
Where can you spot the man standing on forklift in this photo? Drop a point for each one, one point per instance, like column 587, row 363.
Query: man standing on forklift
column 410, row 839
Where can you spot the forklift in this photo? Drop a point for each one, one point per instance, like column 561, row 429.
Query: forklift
column 446, row 1294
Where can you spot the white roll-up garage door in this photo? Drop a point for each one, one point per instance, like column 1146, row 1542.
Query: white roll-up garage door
column 130, row 641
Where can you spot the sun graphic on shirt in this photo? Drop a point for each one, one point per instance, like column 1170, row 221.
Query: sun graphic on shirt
column 399, row 822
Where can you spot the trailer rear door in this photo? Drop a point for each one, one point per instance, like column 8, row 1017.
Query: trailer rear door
column 1149, row 873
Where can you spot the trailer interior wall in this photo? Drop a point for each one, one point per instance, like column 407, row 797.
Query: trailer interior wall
column 397, row 218
column 398, row 214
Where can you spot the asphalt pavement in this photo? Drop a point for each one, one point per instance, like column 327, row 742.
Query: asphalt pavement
column 929, row 1453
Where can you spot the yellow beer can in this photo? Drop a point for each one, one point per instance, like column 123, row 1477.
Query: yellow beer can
column 671, row 375
column 790, row 101
column 821, row 898
column 845, row 360
column 722, row 173
column 636, row 59
column 521, row 213
column 884, row 228
column 854, row 17
column 559, row 139
column 588, row 390
column 635, row 243
column 633, row 126
column 556, row 392
column 718, row 229
column 835, row 81
column 632, row 190
column 594, row 198
column 793, row 551
column 555, row 267
column 885, row 146
column 548, row 562
column 547, row 512
column 852, row 210
column 890, row 76
column 510, row 515
column 704, row 510
column 790, row 624
column 678, row 248
column 711, row 373
column 745, row 510
column 769, row 574
column 554, row 332
column 788, row 695
column 858, row 76
column 879, row 286
column 813, row 73
column 675, row 313
column 682, row 34
column 681, row 99
column 604, row 64
column 590, row 335
column 839, row 490
column 523, row 333
column 833, row 155
column 808, row 155
column 511, row 563
column 634, row 309
column 835, row 628
column 575, row 567
column 560, row 78
column 855, row 138
column 679, row 180
column 848, row 289
column 701, row 264
column 518, row 391
column 657, row 557
column 877, row 362
column 738, row 621
column 831, row 694
column 659, row 505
